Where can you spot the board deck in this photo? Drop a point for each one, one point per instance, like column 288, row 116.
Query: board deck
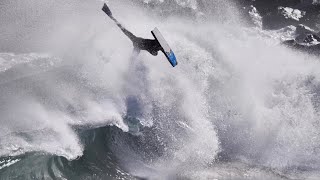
column 165, row 47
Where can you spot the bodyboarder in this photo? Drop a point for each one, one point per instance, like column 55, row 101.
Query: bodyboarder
column 150, row 45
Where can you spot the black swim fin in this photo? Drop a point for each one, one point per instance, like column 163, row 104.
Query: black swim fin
column 106, row 9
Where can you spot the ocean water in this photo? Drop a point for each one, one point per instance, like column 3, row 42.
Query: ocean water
column 77, row 104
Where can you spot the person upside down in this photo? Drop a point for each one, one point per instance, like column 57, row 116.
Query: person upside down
column 150, row 45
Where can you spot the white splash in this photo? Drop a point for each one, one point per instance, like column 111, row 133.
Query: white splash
column 256, row 17
column 291, row 13
column 7, row 163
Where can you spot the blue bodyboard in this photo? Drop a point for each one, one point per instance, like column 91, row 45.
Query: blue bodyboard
column 167, row 51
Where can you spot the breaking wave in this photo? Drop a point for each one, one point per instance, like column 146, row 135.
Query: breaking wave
column 76, row 104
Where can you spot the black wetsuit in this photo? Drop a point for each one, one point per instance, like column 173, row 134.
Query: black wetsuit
column 150, row 45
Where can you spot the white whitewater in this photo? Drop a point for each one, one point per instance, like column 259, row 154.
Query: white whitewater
column 236, row 91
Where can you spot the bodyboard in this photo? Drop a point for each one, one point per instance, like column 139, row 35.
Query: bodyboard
column 165, row 47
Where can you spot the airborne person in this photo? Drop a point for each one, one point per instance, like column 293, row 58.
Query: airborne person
column 150, row 45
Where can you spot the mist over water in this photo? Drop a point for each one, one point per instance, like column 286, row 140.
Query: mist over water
column 238, row 106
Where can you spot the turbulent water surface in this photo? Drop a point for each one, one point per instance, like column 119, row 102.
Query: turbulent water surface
column 76, row 104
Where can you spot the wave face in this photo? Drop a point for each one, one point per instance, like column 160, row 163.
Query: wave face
column 77, row 104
